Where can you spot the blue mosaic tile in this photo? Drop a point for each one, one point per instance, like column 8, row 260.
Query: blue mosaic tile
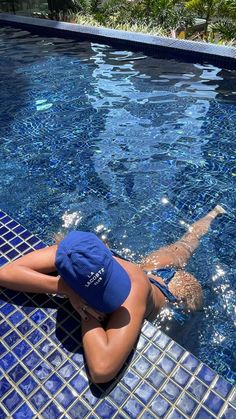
column 92, row 395
column 176, row 351
column 2, row 414
column 144, row 392
column 56, row 358
column 3, row 230
column 181, row 377
column 197, row 389
column 16, row 318
column 146, row 415
column 42, row 371
column 48, row 326
column 67, row 370
column 7, row 361
column 2, row 349
column 39, row 399
column 233, row 398
column 3, row 260
column 160, row 406
column 213, row 403
column 190, row 363
column 17, row 373
column 105, row 410
column 28, row 385
column 33, row 240
column 39, row 246
column 5, row 248
column 162, row 340
column 22, row 247
column 206, row 374
column 38, row 316
column 45, row 347
column 5, row 219
column 78, row 410
column 25, row 234
column 119, row 394
column 22, row 348
column 15, row 241
column 31, row 360
column 2, row 241
column 66, row 397
column 229, row 413
column 35, row 337
column 133, row 408
column 142, row 342
column 171, row 391
column 12, row 338
column 18, row 229
column 25, row 327
column 12, row 400
column 53, row 384
column 78, row 383
column 152, row 353
column 187, row 405
column 24, row 412
column 222, row 387
column 4, row 328
column 175, row 414
column 9, row 236
column 7, row 309
column 166, row 364
column 156, row 378
column 142, row 366
column 12, row 224
column 4, row 386
column 131, row 380
column 203, row 414
column 149, row 330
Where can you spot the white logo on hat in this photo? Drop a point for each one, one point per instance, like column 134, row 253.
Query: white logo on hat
column 94, row 277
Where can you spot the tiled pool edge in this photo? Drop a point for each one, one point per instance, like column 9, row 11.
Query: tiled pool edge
column 156, row 45
column 40, row 377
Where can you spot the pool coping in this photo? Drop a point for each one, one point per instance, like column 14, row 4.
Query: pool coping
column 162, row 47
column 160, row 378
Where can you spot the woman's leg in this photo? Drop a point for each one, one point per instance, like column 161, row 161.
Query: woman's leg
column 178, row 254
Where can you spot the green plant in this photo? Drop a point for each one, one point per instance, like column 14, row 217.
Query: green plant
column 225, row 29
column 212, row 8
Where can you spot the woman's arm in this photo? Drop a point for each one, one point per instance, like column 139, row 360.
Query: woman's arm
column 106, row 349
column 29, row 273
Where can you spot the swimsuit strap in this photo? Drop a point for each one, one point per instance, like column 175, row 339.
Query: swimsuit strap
column 164, row 289
column 166, row 274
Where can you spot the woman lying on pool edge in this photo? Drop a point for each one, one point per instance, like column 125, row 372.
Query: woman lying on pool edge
column 101, row 285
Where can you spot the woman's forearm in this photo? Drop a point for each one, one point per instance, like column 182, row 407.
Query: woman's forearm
column 99, row 352
column 22, row 278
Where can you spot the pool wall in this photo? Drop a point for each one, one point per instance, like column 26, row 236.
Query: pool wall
column 43, row 371
column 161, row 47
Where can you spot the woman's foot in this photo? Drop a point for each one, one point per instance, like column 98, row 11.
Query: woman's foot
column 218, row 210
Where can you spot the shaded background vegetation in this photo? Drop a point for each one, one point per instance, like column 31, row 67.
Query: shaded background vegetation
column 162, row 17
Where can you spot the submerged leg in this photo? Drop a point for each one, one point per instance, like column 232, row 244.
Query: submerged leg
column 178, row 254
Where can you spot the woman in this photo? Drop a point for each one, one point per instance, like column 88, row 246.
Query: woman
column 112, row 295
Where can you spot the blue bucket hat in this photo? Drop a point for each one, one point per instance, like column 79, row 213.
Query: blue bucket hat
column 89, row 268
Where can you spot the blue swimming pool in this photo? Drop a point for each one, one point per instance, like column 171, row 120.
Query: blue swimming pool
column 132, row 147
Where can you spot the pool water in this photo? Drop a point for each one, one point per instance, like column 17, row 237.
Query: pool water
column 132, row 147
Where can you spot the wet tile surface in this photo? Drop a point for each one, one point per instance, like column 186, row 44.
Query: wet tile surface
column 42, row 368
